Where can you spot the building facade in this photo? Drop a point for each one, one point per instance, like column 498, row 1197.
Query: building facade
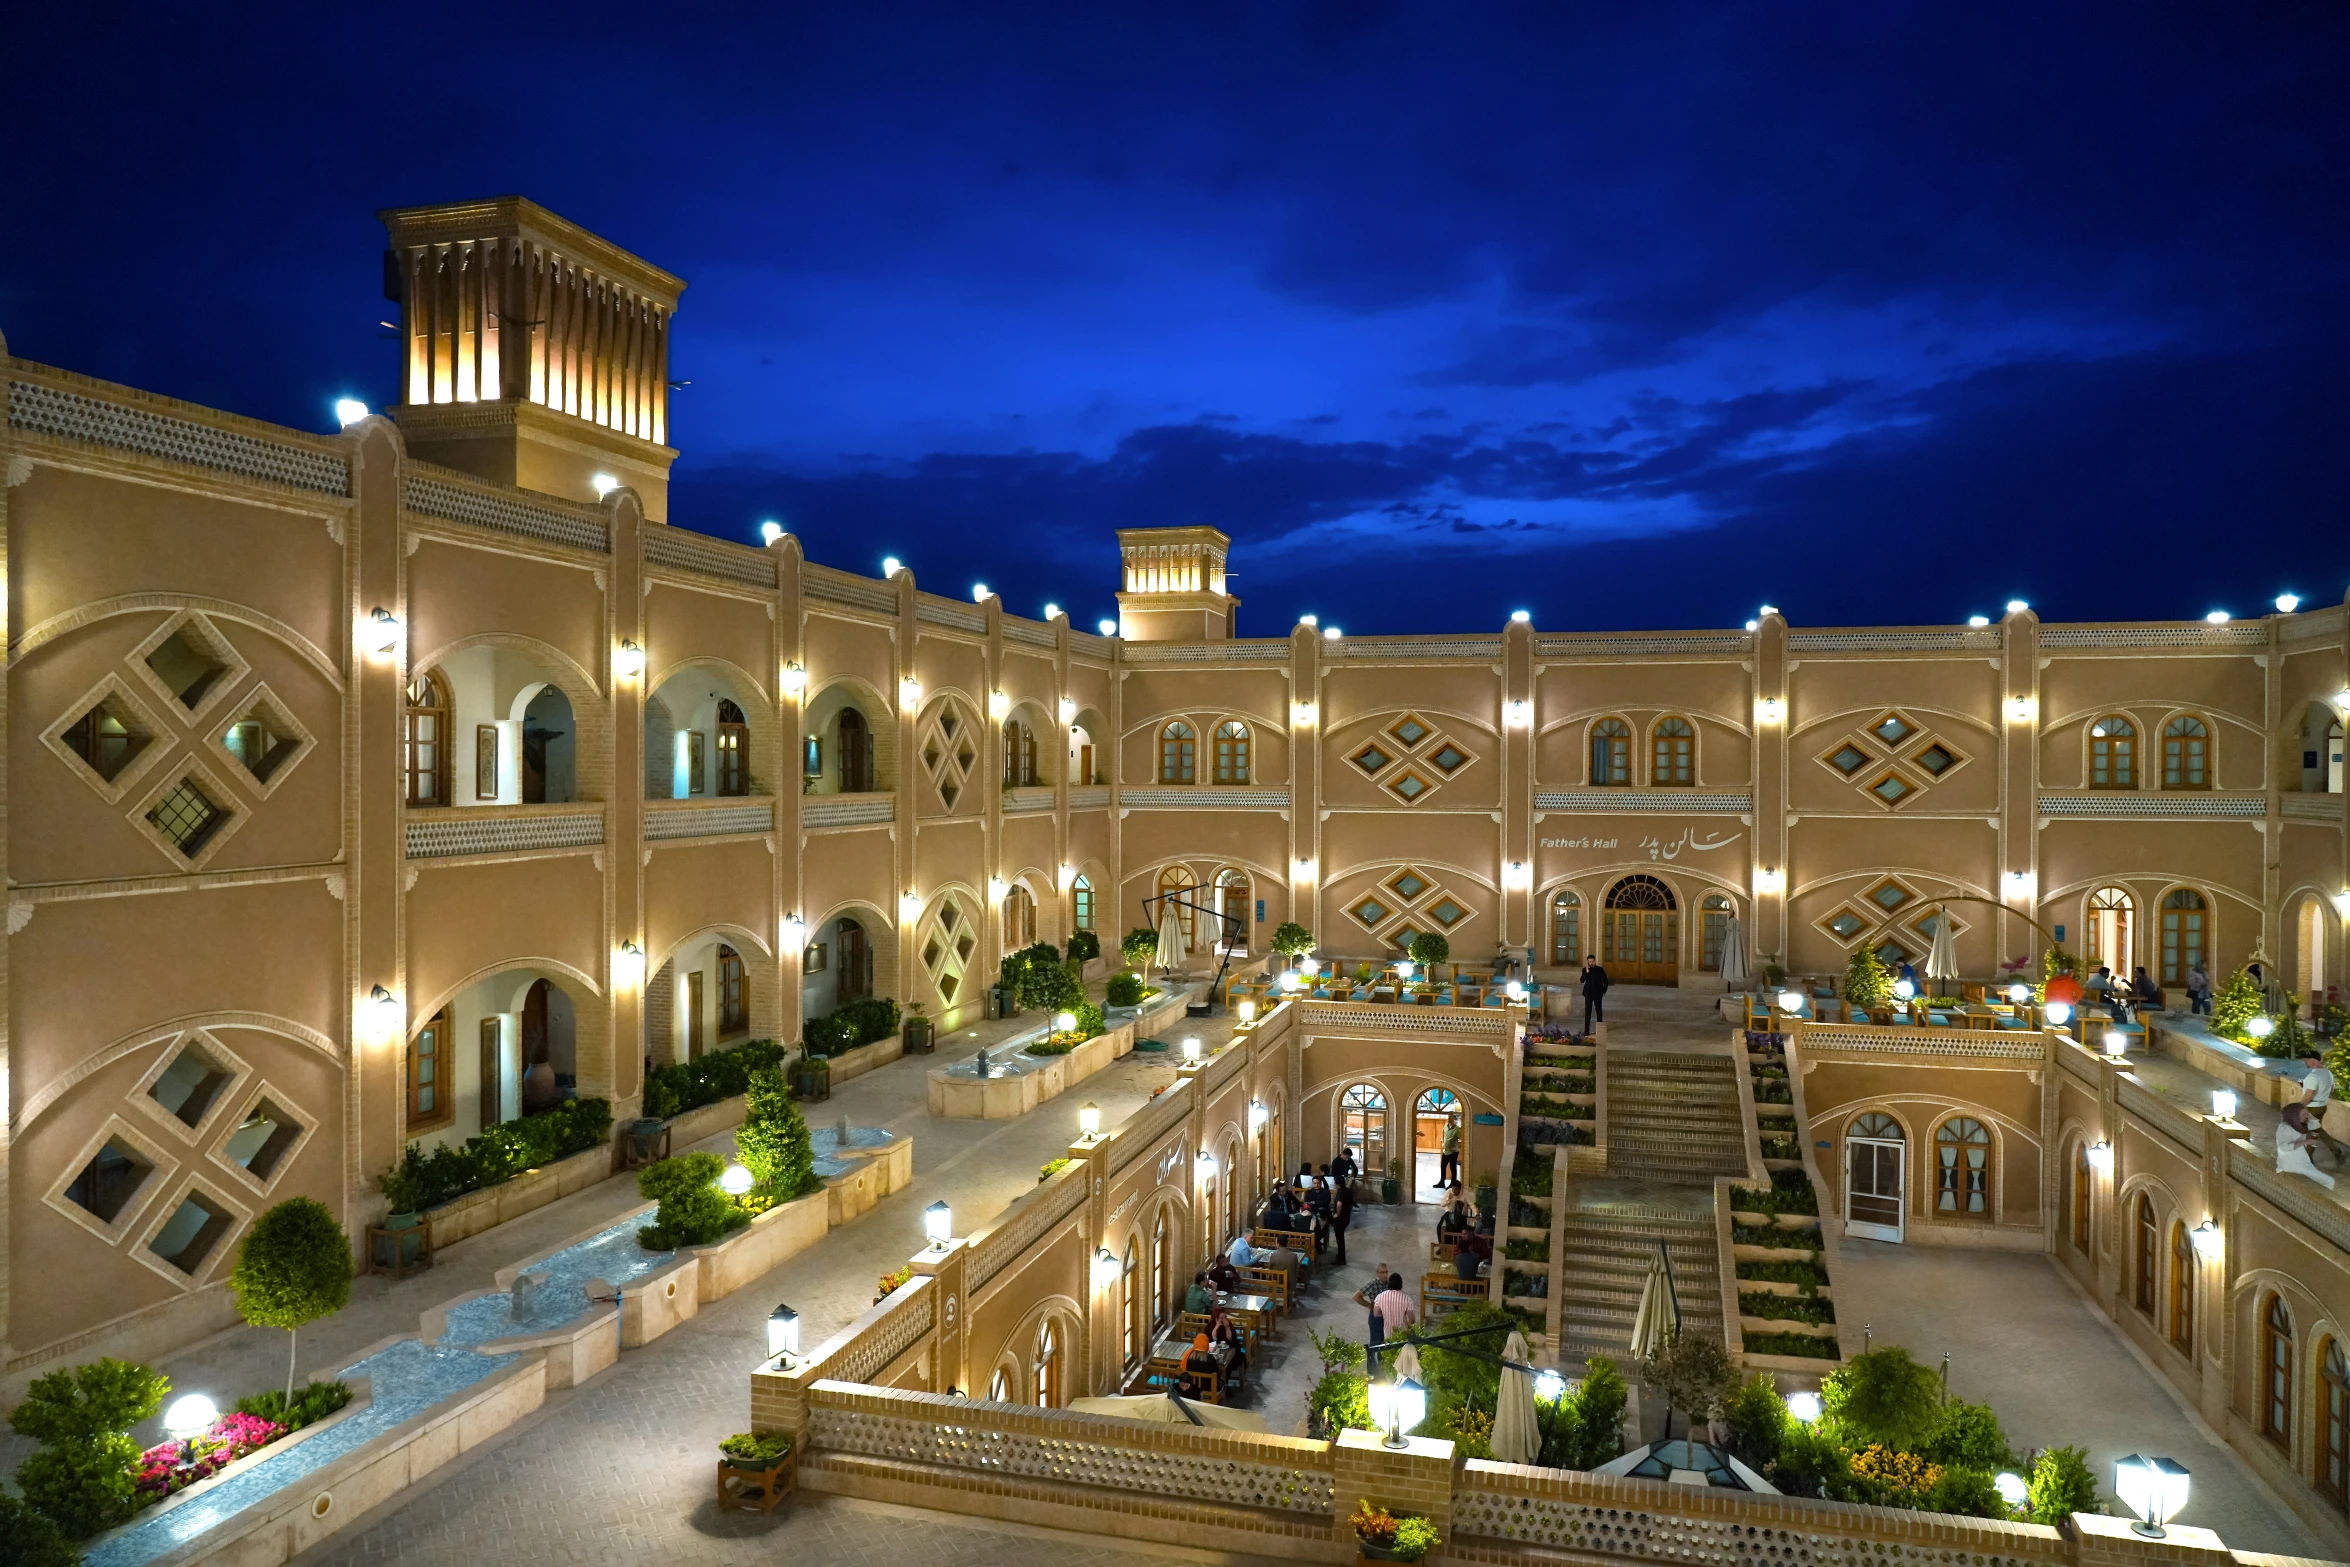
column 375, row 787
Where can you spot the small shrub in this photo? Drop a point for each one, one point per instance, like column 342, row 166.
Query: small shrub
column 688, row 1085
column 2061, row 1485
column 1051, row 1045
column 1691, row 1372
column 312, row 1402
column 1053, row 1167
column 891, row 1281
column 1290, row 939
column 81, row 1479
column 1584, row 1428
column 1967, row 1491
column 1867, row 981
column 1084, row 946
column 1757, row 1417
column 1341, row 1401
column 1885, row 1397
column 1416, row 1536
column 751, row 1447
column 27, row 1539
column 1969, row 1435
column 694, row 1212
column 499, row 1154
column 2234, row 1006
column 1471, row 1430
column 773, row 1142
column 1125, row 989
column 1337, row 1352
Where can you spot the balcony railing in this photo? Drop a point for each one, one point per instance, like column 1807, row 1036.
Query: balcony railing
column 707, row 818
column 457, row 831
column 848, row 810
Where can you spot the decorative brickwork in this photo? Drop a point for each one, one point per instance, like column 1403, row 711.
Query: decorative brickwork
column 50, row 410
column 478, row 832
column 1893, row 639
column 1204, row 799
column 1601, row 644
column 488, row 509
column 934, row 611
column 2174, row 806
column 1029, row 632
column 681, row 549
column 1029, row 1219
column 847, row 810
column 1268, row 651
column 1665, row 802
column 710, row 821
column 841, row 587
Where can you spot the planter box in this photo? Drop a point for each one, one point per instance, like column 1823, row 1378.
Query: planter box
column 780, row 1233
column 854, row 1064
column 1041, row 1078
column 689, row 1127
column 879, row 1172
column 492, row 1206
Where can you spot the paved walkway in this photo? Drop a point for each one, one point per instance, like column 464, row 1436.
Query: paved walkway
column 2023, row 1340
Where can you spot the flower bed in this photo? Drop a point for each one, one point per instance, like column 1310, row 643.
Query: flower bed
column 174, row 1466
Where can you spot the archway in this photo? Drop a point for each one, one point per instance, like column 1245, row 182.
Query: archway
column 2310, row 928
column 2318, row 742
column 550, row 767
column 1236, row 903
column 1084, row 763
column 836, row 966
column 849, row 743
column 2113, row 936
column 1362, row 1115
column 1438, row 1125
column 503, row 1046
column 1640, row 933
column 699, row 737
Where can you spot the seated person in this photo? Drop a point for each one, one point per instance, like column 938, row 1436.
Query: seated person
column 2295, row 1137
column 1277, row 1211
column 1223, row 1331
column 1241, row 1254
column 1291, row 1265
column 1222, row 1275
column 1451, row 1222
column 1197, row 1299
column 1470, row 1254
column 2148, row 993
column 1198, row 1363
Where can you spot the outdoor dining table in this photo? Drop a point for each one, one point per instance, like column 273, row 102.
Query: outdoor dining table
column 1254, row 1313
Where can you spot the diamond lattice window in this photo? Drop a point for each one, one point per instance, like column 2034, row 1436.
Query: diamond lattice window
column 186, row 817
column 1370, row 759
column 947, row 945
column 1936, row 759
column 1844, row 925
column 1893, row 729
column 949, row 753
column 192, row 1233
column 1403, row 937
column 1892, row 789
column 186, row 669
column 1890, row 896
column 1407, row 884
column 1370, row 911
column 266, row 739
column 105, row 738
column 1446, row 913
column 1409, row 730
column 109, row 1181
column 1849, row 759
column 262, row 1140
column 1408, row 785
column 1448, row 758
column 191, row 1085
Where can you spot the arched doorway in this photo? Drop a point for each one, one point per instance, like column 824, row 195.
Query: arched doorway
column 853, row 752
column 1875, row 1152
column 550, row 1053
column 1177, row 881
column 1362, row 1111
column 550, row 771
column 2310, row 947
column 1233, row 901
column 853, row 963
column 1640, row 933
column 1437, row 1123
column 1019, row 913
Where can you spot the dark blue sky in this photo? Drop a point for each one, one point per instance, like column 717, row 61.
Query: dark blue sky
column 1632, row 316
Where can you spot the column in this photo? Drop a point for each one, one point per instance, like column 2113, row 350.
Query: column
column 791, row 691
column 1306, row 719
column 1771, row 719
column 1517, row 787
column 625, row 853
column 375, row 795
column 907, row 867
column 2019, row 774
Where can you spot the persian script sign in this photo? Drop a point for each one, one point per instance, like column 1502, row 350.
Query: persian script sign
column 1689, row 841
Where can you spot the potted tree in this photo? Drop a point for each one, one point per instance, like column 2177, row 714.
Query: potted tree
column 1429, row 949
column 294, row 1266
column 756, row 1471
column 403, row 1188
column 1292, row 941
column 1391, row 1184
column 916, row 1032
column 1003, row 997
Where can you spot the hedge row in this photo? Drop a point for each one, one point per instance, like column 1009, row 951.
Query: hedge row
column 722, row 1074
column 426, row 1180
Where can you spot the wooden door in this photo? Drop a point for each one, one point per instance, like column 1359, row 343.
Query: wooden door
column 534, row 1025
column 856, row 753
column 695, row 762
column 693, row 1015
column 493, row 1036
column 733, row 777
column 1640, row 933
column 852, row 964
column 1084, row 764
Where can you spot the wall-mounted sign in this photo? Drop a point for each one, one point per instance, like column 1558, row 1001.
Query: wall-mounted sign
column 1669, row 847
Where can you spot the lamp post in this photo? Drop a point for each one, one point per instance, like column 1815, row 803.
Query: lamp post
column 2153, row 1488
column 938, row 1225
column 189, row 1417
column 783, row 1334
column 1089, row 1122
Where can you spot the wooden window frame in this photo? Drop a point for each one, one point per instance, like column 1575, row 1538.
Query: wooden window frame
column 2182, row 1289
column 1959, row 1189
column 2275, row 1384
column 2117, row 766
column 1178, row 754
column 2332, row 1470
column 1232, row 748
column 2190, row 954
column 2084, row 1196
column 444, row 1111
column 734, row 752
column 1572, row 952
column 1610, row 752
column 2194, row 752
column 1672, row 753
column 437, row 714
column 734, row 994
column 2145, row 1232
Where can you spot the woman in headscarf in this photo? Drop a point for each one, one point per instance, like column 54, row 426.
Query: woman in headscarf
column 1199, row 1365
column 1224, row 1331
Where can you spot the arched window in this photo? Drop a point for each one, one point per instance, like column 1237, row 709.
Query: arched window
column 1129, row 1308
column 1673, row 754
column 1081, row 894
column 1048, row 1364
column 2113, row 753
column 2276, row 1373
column 2185, row 934
column 1364, row 1110
column 734, row 750
column 1177, row 743
column 2333, row 1458
column 1962, row 1158
column 1162, row 1273
column 2186, row 753
column 1236, row 903
column 1232, row 752
column 1611, row 753
column 1714, row 913
column 999, row 1386
column 854, row 749
column 1231, row 1193
column 1176, row 881
column 2113, row 917
column 2147, row 1258
column 734, row 993
column 428, row 741
column 2084, row 1183
column 1566, row 929
column 2182, row 1289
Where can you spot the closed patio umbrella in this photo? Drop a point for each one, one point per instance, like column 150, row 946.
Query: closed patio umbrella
column 1171, row 951
column 1516, row 1438
column 1733, row 953
column 1659, row 1316
column 1942, row 956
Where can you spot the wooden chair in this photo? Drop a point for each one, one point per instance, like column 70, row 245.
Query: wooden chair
column 1441, row 1293
column 1299, row 1241
column 1441, row 1253
column 1270, row 1282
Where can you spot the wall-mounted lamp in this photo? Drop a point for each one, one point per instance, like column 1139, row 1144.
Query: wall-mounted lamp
column 770, row 531
column 979, row 593
column 628, row 965
column 2018, row 886
column 1105, row 1268
column 2209, row 1243
column 891, row 566
column 383, row 1011
column 603, row 484
column 909, row 906
column 1068, row 711
column 793, row 934
column 997, row 887
column 2021, row 708
column 1258, row 1115
column 2342, row 904
column 383, row 631
column 1515, row 990
column 1978, row 621
column 2019, row 992
column 1207, row 1165
column 2058, row 1013
column 1518, row 713
column 1305, row 867
column 2100, row 1155
column 628, row 660
column 1790, row 1001
column 2218, row 617
column 999, row 705
column 349, row 411
column 1770, row 710
column 910, row 694
column 1068, row 877
column 1302, row 714
column 1331, row 633
column 795, row 680
column 1054, row 612
column 1769, row 881
column 1517, row 875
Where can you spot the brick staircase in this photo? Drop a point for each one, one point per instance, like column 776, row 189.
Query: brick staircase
column 1606, row 1262
column 1673, row 1118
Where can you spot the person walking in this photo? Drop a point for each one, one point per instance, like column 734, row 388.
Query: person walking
column 2198, row 989
column 1448, row 1163
column 1368, row 1298
column 1318, row 1206
column 1394, row 1309
column 1595, row 984
column 1342, row 1214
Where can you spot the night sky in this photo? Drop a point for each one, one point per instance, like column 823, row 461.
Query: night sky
column 1632, row 316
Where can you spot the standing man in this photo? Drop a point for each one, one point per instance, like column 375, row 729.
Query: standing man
column 1342, row 1214
column 1368, row 1298
column 1394, row 1309
column 2198, row 989
column 1448, row 1163
column 1594, row 989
